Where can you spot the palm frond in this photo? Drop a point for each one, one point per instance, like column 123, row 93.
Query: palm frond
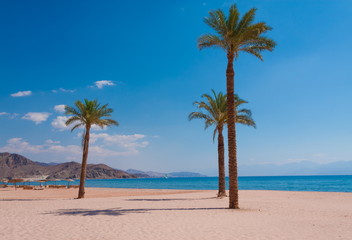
column 246, row 20
column 88, row 113
column 245, row 120
column 210, row 40
column 217, row 21
column 233, row 17
column 235, row 34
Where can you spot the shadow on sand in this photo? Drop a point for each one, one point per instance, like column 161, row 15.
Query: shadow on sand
column 119, row 211
column 167, row 199
column 24, row 200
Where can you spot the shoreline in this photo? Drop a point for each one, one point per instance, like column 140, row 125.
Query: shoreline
column 98, row 192
column 91, row 192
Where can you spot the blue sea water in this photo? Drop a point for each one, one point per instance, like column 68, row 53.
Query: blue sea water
column 283, row 183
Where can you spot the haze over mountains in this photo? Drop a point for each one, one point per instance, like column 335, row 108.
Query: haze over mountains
column 17, row 166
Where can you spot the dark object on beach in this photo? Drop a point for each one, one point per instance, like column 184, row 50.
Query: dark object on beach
column 16, row 180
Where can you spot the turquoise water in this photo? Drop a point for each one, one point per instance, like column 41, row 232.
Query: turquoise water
column 285, row 183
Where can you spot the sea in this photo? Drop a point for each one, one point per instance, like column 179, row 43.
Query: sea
column 282, row 183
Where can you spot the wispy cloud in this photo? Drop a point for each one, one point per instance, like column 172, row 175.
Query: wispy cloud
column 21, row 94
column 68, row 152
column 102, row 83
column 37, row 117
column 130, row 142
column 60, row 108
column 9, row 115
column 59, row 123
column 19, row 146
column 63, row 90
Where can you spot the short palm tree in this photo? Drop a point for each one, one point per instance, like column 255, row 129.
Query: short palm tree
column 216, row 114
column 86, row 115
column 235, row 35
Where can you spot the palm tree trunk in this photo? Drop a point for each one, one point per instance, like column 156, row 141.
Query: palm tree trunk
column 221, row 162
column 231, row 120
column 81, row 190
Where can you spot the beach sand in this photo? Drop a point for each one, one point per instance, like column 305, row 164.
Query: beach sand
column 172, row 214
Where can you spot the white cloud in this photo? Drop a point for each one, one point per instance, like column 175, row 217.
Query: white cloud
column 67, row 90
column 21, row 94
column 102, row 83
column 60, row 108
column 59, row 123
column 63, row 90
column 49, row 141
column 129, row 142
column 98, row 128
column 73, row 152
column 9, row 115
column 19, row 146
column 13, row 115
column 37, row 117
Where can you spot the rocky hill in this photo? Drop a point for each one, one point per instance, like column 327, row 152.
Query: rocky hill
column 17, row 166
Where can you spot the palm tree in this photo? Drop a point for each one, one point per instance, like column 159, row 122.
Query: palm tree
column 235, row 35
column 86, row 115
column 216, row 114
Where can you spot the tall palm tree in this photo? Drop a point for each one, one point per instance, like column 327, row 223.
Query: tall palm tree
column 86, row 115
column 235, row 35
column 216, row 114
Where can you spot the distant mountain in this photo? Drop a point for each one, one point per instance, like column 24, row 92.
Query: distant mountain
column 46, row 164
column 151, row 174
column 148, row 174
column 17, row 166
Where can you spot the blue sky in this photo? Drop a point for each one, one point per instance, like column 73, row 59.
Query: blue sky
column 142, row 59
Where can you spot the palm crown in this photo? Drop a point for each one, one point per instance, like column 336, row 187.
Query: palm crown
column 216, row 108
column 235, row 34
column 89, row 113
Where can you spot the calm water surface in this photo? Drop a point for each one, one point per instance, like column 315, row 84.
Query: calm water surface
column 286, row 183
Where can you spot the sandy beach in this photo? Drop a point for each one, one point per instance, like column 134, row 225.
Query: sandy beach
column 172, row 214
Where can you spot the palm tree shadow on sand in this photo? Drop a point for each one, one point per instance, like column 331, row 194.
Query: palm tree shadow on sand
column 166, row 199
column 119, row 211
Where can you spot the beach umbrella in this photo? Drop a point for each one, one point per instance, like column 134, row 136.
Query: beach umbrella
column 4, row 180
column 68, row 181
column 56, row 180
column 43, row 181
column 16, row 180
